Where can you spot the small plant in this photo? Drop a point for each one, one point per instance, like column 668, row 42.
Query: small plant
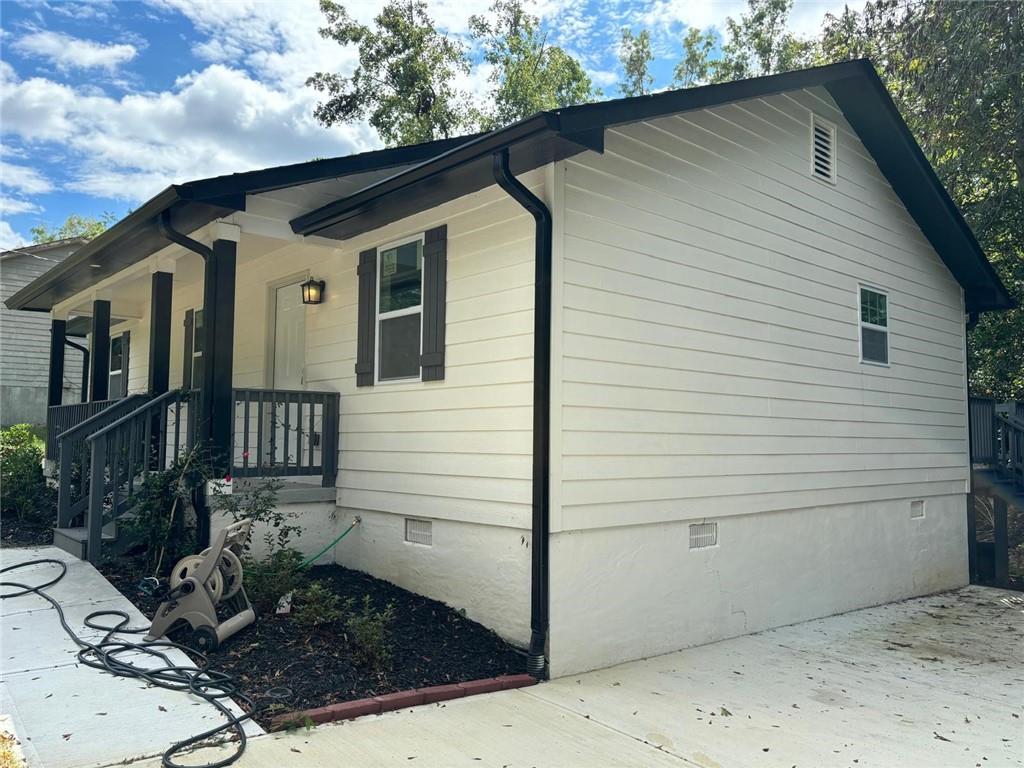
column 268, row 579
column 318, row 604
column 369, row 631
column 161, row 506
column 23, row 488
column 258, row 502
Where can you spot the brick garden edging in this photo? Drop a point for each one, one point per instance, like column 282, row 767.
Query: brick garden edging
column 347, row 710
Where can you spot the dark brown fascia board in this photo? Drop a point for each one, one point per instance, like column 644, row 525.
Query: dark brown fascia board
column 332, row 213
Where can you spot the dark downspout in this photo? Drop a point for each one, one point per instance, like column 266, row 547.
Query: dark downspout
column 537, row 663
column 206, row 252
column 85, row 368
column 972, row 524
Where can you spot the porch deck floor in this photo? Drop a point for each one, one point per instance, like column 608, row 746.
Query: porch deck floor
column 930, row 682
column 66, row 715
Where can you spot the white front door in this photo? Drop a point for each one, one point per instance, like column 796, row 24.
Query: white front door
column 289, row 337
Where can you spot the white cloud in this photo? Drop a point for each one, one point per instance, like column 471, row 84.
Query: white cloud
column 12, row 206
column 67, row 52
column 804, row 20
column 9, row 238
column 21, row 178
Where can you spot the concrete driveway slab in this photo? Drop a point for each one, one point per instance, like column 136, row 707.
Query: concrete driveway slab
column 936, row 681
column 499, row 729
column 929, row 683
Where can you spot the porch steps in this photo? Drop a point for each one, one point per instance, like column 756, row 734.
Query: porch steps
column 75, row 541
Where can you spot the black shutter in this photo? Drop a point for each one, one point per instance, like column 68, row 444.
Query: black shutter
column 125, row 348
column 366, row 315
column 435, row 284
column 186, row 365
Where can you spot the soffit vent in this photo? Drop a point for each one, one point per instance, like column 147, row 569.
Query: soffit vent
column 419, row 531
column 823, row 150
column 703, row 535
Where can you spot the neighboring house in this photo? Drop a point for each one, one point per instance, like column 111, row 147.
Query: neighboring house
column 25, row 337
column 617, row 379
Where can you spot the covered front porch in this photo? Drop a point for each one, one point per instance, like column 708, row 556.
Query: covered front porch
column 198, row 350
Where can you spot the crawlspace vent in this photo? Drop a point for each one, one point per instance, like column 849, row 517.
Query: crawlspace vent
column 419, row 531
column 823, row 150
column 917, row 509
column 703, row 535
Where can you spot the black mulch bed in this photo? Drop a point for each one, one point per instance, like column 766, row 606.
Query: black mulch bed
column 430, row 643
column 31, row 532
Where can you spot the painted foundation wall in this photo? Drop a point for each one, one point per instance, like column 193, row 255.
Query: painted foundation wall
column 482, row 569
column 625, row 593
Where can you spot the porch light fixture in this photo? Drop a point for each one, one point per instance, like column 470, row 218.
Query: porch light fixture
column 313, row 291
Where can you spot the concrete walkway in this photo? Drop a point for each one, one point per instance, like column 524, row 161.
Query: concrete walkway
column 66, row 715
column 926, row 683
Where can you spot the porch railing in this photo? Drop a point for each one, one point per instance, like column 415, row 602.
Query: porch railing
column 123, row 452
column 62, row 418
column 105, row 458
column 286, row 433
column 997, row 437
column 73, row 451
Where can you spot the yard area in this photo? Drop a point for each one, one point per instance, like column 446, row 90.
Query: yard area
column 314, row 653
column 928, row 682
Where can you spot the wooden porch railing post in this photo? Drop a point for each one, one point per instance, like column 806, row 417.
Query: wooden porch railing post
column 64, row 486
column 97, row 492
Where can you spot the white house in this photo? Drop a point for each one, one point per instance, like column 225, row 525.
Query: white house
column 617, row 379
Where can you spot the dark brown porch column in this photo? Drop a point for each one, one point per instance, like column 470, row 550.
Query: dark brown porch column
column 160, row 333
column 99, row 346
column 55, row 385
column 218, row 353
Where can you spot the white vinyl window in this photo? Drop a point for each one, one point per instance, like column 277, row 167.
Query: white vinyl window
column 874, row 326
column 399, row 324
column 117, row 372
column 197, row 349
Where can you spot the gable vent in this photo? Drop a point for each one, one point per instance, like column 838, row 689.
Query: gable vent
column 703, row 535
column 823, row 150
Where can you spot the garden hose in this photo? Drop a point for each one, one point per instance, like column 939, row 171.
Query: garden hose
column 209, row 685
column 310, row 560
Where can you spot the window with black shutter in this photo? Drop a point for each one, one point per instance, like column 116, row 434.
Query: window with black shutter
column 401, row 312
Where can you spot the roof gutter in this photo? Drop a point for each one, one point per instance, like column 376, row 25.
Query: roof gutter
column 86, row 254
column 355, row 205
column 540, row 544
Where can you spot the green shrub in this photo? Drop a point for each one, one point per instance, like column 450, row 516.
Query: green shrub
column 23, row 490
column 318, row 604
column 267, row 580
column 369, row 632
column 162, row 525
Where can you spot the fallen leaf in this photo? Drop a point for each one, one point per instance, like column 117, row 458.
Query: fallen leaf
column 940, row 738
column 67, row 736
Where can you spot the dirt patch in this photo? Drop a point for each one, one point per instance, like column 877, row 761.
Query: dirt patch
column 430, row 644
column 25, row 533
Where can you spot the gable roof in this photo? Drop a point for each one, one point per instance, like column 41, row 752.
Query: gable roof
column 37, row 249
column 425, row 175
column 854, row 85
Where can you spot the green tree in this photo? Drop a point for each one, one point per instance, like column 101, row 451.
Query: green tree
column 73, row 226
column 528, row 74
column 758, row 43
column 405, row 81
column 955, row 71
column 635, row 56
column 695, row 66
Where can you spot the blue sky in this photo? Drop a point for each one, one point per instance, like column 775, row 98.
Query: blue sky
column 106, row 103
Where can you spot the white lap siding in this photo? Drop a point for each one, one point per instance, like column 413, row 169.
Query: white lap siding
column 710, row 362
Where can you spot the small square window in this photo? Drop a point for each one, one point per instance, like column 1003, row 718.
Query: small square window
column 874, row 326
